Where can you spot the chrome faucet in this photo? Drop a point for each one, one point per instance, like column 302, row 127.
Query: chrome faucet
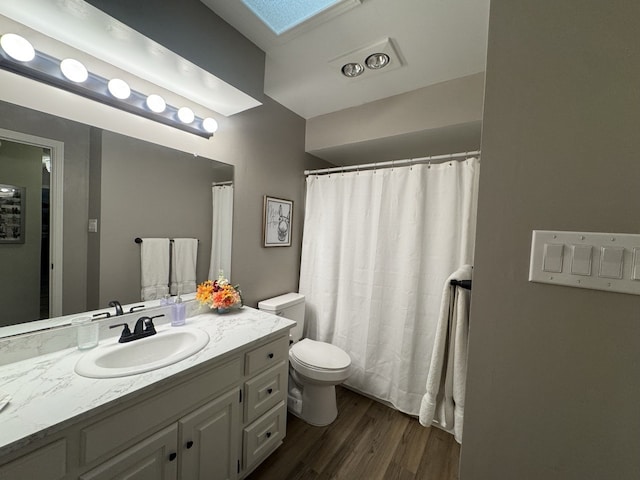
column 116, row 303
column 144, row 328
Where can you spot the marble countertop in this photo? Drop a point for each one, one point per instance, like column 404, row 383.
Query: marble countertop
column 47, row 395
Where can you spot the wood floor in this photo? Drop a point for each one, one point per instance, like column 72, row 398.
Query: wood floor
column 367, row 441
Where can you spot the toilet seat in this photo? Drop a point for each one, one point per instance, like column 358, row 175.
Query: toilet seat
column 319, row 360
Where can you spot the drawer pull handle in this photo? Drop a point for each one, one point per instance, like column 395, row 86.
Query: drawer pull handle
column 269, row 391
column 189, row 444
column 270, row 355
column 268, row 434
column 172, row 456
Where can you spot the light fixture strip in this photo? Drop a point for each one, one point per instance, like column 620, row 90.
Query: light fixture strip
column 46, row 69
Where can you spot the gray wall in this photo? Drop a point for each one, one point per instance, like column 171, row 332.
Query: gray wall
column 149, row 191
column 441, row 118
column 266, row 146
column 553, row 389
column 21, row 166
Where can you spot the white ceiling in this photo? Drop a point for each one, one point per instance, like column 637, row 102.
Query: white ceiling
column 437, row 41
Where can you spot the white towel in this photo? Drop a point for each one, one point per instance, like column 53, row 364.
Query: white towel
column 154, row 260
column 183, row 265
column 444, row 400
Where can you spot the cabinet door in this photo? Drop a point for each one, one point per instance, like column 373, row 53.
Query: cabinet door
column 154, row 458
column 46, row 463
column 209, row 440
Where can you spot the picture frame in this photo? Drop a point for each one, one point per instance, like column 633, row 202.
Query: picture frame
column 12, row 213
column 277, row 222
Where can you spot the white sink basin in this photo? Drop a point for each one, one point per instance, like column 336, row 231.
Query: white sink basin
column 121, row 359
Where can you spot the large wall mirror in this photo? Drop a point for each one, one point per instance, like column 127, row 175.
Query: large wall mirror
column 131, row 188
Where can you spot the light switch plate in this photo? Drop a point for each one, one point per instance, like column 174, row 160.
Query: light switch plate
column 598, row 261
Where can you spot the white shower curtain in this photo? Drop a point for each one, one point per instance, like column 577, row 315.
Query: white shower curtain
column 221, row 231
column 377, row 248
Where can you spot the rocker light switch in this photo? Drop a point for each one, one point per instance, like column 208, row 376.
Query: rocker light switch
column 635, row 274
column 611, row 262
column 581, row 259
column 552, row 259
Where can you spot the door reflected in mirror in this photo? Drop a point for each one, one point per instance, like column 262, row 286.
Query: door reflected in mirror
column 24, row 231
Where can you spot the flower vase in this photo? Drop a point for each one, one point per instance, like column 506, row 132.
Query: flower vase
column 223, row 310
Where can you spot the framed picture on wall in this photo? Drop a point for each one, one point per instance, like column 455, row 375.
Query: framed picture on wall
column 276, row 226
column 12, row 211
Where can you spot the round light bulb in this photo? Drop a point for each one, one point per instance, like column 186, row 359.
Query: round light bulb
column 352, row 70
column 73, row 70
column 119, row 88
column 156, row 103
column 210, row 125
column 377, row 61
column 17, row 47
column 186, row 115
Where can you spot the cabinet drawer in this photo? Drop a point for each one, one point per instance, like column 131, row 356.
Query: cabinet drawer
column 46, row 463
column 266, row 356
column 264, row 391
column 264, row 435
column 107, row 437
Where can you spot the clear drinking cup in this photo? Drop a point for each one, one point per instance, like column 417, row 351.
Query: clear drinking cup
column 87, row 332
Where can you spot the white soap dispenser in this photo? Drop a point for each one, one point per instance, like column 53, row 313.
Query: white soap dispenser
column 178, row 312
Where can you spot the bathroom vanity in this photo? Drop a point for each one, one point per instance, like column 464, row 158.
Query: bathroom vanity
column 214, row 415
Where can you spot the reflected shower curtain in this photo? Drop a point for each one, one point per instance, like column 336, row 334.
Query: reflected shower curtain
column 221, row 231
column 377, row 249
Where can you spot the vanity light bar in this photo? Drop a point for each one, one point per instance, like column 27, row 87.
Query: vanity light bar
column 46, row 69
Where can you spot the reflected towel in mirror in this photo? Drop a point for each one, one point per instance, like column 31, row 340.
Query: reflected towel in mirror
column 183, row 265
column 154, row 259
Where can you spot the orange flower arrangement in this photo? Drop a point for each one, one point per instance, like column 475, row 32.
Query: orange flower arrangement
column 219, row 294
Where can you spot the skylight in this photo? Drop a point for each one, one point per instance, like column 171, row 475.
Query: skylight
column 283, row 15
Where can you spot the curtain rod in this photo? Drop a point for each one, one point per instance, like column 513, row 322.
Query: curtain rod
column 394, row 163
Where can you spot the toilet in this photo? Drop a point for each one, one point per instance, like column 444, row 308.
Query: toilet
column 315, row 368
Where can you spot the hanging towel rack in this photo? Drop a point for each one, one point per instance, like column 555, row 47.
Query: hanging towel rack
column 139, row 240
column 466, row 284
column 395, row 163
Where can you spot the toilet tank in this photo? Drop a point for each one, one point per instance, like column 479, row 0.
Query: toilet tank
column 289, row 305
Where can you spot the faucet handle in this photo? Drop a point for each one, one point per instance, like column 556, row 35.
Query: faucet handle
column 148, row 323
column 102, row 314
column 126, row 333
column 136, row 307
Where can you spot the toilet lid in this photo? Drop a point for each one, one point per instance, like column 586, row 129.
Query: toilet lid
column 320, row 355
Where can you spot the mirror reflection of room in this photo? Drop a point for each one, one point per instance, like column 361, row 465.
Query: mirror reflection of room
column 112, row 189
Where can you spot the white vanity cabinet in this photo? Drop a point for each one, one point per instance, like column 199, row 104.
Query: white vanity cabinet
column 217, row 422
